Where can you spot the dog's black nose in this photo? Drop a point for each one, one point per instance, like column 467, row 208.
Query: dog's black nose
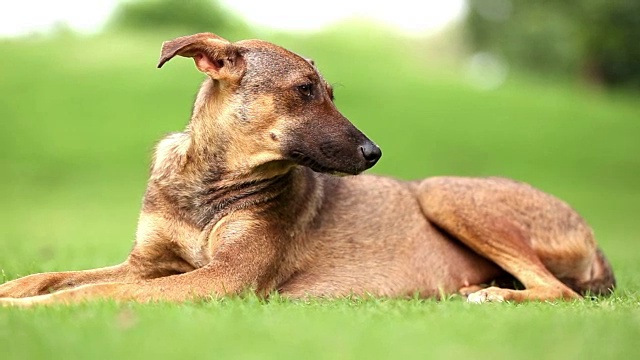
column 371, row 152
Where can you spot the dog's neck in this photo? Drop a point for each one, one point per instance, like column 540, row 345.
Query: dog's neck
column 215, row 136
column 207, row 145
column 191, row 174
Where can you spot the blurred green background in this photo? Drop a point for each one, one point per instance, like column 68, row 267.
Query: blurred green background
column 528, row 91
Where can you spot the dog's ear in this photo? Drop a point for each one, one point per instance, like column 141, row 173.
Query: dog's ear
column 212, row 54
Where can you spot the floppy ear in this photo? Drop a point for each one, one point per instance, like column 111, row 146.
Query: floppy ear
column 213, row 55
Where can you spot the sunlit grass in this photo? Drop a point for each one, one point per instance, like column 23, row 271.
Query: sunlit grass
column 374, row 328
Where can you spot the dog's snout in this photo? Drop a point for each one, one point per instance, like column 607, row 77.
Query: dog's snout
column 371, row 153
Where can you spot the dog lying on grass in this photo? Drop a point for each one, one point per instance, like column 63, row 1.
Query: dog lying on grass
column 246, row 197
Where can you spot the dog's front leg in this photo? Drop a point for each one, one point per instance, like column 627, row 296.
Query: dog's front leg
column 213, row 280
column 45, row 283
column 245, row 256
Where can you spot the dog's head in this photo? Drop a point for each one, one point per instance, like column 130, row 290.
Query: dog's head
column 268, row 104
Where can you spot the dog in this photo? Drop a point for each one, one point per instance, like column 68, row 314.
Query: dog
column 247, row 198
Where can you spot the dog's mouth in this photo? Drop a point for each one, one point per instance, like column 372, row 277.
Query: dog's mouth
column 304, row 160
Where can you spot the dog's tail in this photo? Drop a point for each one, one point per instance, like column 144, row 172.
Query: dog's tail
column 602, row 281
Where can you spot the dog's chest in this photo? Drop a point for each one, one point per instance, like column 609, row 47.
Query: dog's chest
column 192, row 246
column 196, row 254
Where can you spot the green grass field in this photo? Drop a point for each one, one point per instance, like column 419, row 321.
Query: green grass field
column 78, row 121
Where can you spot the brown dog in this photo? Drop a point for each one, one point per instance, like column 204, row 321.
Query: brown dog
column 244, row 198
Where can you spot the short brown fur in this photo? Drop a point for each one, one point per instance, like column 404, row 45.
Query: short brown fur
column 246, row 198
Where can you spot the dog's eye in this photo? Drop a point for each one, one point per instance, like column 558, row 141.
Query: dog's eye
column 306, row 90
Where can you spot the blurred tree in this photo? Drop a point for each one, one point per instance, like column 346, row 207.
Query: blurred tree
column 188, row 15
column 613, row 42
column 598, row 39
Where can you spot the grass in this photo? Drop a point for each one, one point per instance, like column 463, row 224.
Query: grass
column 343, row 329
column 79, row 117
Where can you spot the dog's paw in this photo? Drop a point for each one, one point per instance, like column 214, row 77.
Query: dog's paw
column 485, row 295
column 25, row 302
column 10, row 302
column 468, row 290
